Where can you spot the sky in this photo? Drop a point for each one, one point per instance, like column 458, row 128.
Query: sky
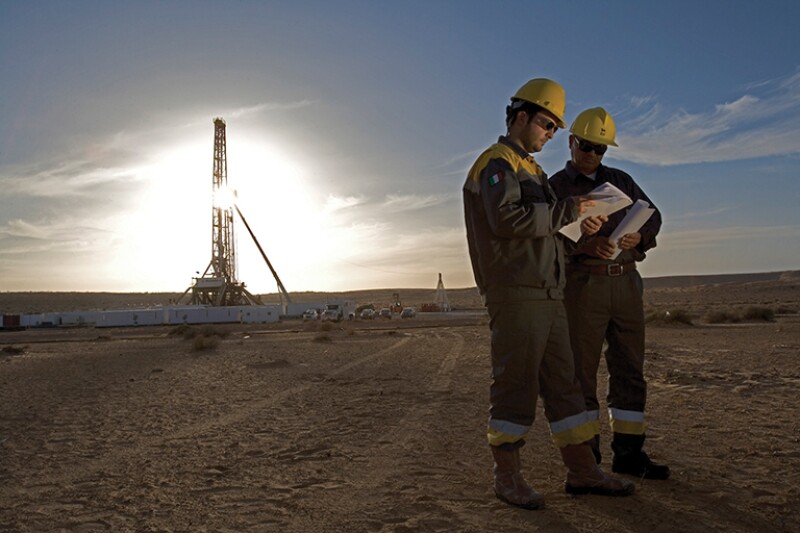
column 351, row 126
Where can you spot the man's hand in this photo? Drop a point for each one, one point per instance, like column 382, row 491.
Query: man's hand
column 598, row 247
column 629, row 240
column 582, row 204
column 591, row 225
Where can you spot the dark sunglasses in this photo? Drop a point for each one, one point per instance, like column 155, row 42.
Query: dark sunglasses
column 546, row 123
column 586, row 146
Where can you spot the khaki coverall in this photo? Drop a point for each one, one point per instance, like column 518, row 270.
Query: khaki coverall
column 604, row 302
column 512, row 219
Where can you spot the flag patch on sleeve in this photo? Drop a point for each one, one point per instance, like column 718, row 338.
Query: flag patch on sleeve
column 497, row 178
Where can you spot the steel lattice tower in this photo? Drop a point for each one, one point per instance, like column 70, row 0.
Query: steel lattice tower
column 219, row 285
column 223, row 248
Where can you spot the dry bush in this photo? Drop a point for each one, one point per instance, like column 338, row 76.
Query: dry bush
column 722, row 317
column 189, row 332
column 323, row 338
column 202, row 343
column 759, row 313
column 13, row 350
column 671, row 316
column 326, row 326
column 181, row 330
column 680, row 316
column 783, row 310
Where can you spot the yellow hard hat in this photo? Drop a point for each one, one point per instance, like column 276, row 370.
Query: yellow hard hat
column 546, row 94
column 595, row 125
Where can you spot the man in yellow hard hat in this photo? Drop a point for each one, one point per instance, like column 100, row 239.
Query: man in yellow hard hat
column 512, row 220
column 604, row 297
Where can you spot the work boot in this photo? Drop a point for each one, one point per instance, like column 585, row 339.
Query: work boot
column 585, row 477
column 630, row 459
column 594, row 442
column 509, row 485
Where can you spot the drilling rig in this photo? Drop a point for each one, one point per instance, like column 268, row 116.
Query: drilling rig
column 219, row 286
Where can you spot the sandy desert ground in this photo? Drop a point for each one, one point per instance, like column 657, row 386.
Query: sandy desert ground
column 379, row 426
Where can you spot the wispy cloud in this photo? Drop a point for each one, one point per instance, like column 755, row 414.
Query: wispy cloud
column 71, row 178
column 763, row 122
column 397, row 203
column 25, row 237
column 336, row 203
column 703, row 238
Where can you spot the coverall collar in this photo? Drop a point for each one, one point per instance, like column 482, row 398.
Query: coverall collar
column 514, row 146
column 572, row 172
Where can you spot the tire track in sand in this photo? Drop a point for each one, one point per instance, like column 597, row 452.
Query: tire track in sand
column 143, row 448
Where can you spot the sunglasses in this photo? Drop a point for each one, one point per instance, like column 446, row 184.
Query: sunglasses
column 586, row 146
column 545, row 123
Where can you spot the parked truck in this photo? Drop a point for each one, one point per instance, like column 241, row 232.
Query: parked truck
column 337, row 311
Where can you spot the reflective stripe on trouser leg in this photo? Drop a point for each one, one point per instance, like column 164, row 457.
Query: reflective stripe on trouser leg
column 563, row 400
column 627, row 387
column 630, row 422
column 574, row 429
column 517, row 348
column 504, row 432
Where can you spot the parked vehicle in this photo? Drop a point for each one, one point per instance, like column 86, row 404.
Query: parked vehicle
column 385, row 313
column 368, row 314
column 408, row 312
column 310, row 314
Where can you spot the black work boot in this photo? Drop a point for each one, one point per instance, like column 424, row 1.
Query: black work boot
column 630, row 459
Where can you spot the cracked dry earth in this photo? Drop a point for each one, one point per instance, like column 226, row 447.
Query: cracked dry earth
column 372, row 429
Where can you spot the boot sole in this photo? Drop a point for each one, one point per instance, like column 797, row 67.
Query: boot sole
column 600, row 491
column 530, row 506
column 647, row 474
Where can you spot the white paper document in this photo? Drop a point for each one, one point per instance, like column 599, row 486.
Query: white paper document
column 633, row 222
column 607, row 198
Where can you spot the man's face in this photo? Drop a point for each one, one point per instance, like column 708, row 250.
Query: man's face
column 584, row 154
column 539, row 129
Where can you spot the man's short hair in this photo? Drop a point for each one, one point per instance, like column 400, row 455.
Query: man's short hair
column 521, row 105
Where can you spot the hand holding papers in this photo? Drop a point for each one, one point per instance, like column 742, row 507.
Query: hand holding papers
column 633, row 221
column 607, row 198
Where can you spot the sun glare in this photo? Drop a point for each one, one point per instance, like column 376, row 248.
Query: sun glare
column 278, row 200
column 165, row 239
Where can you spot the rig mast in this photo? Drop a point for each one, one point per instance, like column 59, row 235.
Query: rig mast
column 219, row 286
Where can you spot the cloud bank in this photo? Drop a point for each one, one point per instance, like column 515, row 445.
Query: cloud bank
column 763, row 122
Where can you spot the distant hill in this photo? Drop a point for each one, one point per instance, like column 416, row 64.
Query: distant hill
column 461, row 298
column 672, row 282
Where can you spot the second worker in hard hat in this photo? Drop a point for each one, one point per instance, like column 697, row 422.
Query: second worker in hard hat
column 512, row 219
column 603, row 297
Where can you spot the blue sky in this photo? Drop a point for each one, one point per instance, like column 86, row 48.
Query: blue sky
column 351, row 126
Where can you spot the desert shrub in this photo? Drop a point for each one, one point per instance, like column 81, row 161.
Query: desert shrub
column 671, row 316
column 181, row 330
column 13, row 350
column 680, row 316
column 323, row 338
column 326, row 326
column 210, row 330
column 783, row 310
column 722, row 317
column 654, row 316
column 188, row 332
column 201, row 343
column 759, row 313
